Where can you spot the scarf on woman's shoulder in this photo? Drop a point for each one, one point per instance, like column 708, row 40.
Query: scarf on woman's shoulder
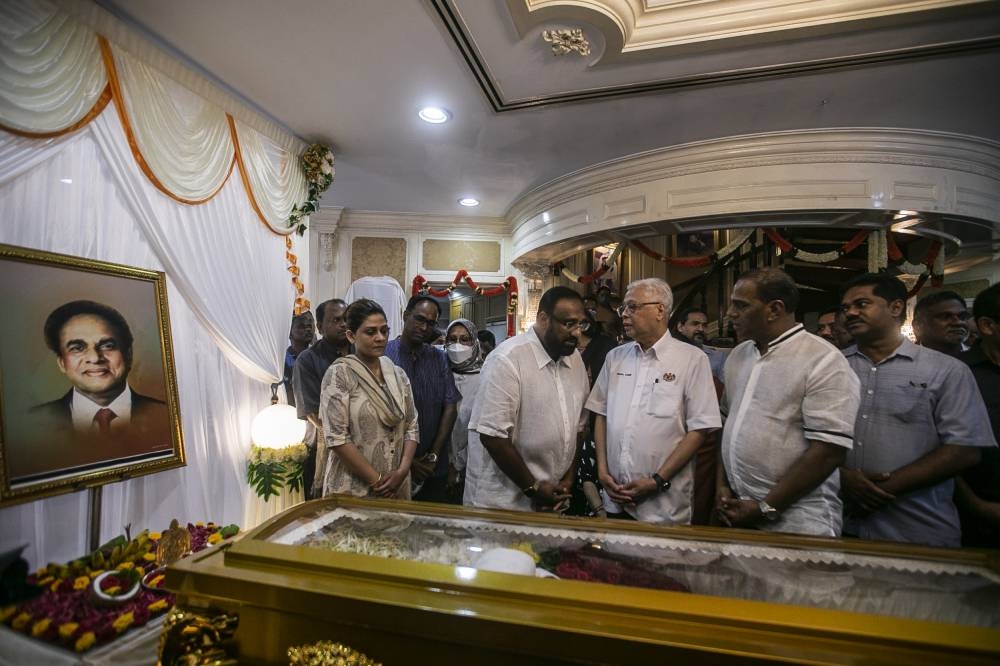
column 387, row 400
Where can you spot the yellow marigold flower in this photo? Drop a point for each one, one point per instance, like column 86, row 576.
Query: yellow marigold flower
column 126, row 565
column 156, row 581
column 21, row 621
column 40, row 627
column 81, row 583
column 54, row 587
column 6, row 612
column 199, row 524
column 157, row 606
column 95, row 573
column 149, row 557
column 41, row 572
column 46, row 580
column 154, row 536
column 85, row 642
column 525, row 547
column 68, row 629
column 214, row 538
column 113, row 590
column 123, row 622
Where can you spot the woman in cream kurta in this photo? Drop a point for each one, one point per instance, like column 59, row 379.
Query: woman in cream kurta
column 369, row 418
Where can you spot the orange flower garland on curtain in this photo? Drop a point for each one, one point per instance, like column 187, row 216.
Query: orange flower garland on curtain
column 112, row 92
column 420, row 286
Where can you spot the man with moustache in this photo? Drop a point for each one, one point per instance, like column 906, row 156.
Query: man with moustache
column 921, row 422
column 941, row 322
column 825, row 324
column 307, row 376
column 101, row 417
column 434, row 393
column 654, row 403
column 691, row 325
column 790, row 401
column 529, row 412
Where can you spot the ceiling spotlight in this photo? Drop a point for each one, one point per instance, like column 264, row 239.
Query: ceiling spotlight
column 434, row 114
column 469, row 201
column 68, row 181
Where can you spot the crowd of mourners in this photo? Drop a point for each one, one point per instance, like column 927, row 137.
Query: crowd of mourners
column 626, row 412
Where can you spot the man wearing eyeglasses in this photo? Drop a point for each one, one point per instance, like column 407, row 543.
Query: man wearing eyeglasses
column 655, row 403
column 529, row 413
column 434, row 393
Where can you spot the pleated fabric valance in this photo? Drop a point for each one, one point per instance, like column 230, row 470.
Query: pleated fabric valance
column 57, row 74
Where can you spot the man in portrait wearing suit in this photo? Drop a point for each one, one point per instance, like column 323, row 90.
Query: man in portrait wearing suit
column 100, row 417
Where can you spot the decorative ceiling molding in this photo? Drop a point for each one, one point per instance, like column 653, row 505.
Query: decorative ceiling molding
column 636, row 26
column 854, row 169
column 487, row 227
column 567, row 40
column 959, row 26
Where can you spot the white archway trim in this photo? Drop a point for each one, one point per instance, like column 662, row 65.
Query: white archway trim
column 823, row 169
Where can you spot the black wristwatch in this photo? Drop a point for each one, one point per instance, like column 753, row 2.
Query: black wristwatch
column 532, row 490
column 662, row 484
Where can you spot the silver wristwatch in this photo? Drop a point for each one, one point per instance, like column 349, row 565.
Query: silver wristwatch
column 769, row 513
column 431, row 457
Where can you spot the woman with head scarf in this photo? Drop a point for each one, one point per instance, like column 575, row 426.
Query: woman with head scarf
column 464, row 357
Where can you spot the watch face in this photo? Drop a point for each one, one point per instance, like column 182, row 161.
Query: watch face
column 431, row 457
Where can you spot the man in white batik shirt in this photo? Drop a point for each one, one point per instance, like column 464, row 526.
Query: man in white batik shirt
column 790, row 403
column 529, row 413
column 655, row 403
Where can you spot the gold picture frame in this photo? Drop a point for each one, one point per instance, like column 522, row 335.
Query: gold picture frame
column 88, row 390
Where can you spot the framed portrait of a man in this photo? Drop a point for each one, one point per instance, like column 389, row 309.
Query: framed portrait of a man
column 695, row 243
column 88, row 391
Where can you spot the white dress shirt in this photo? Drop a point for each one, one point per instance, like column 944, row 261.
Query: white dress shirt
column 535, row 402
column 83, row 409
column 651, row 400
column 801, row 389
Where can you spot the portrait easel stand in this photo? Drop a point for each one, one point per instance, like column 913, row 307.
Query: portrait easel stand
column 94, row 517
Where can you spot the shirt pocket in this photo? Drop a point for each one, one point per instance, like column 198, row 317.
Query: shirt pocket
column 911, row 403
column 665, row 400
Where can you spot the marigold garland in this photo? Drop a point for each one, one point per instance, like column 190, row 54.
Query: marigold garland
column 509, row 285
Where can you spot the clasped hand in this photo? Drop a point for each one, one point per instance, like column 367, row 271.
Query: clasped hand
column 862, row 493
column 550, row 497
column 630, row 493
column 389, row 484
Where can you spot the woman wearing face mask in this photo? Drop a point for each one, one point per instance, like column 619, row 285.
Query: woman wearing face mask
column 462, row 347
column 369, row 418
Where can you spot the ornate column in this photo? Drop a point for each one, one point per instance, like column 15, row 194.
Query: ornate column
column 324, row 251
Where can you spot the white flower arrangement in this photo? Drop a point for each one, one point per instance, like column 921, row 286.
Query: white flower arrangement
column 270, row 470
column 317, row 165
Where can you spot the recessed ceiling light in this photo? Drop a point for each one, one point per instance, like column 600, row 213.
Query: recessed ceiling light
column 68, row 181
column 469, row 201
column 434, row 114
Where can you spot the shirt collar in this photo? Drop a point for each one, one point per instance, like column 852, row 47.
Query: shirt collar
column 784, row 337
column 83, row 408
column 542, row 357
column 906, row 349
column 659, row 347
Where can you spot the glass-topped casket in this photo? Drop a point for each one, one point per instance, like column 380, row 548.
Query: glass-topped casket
column 410, row 583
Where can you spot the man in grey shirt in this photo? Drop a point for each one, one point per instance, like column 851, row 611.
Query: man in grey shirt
column 921, row 421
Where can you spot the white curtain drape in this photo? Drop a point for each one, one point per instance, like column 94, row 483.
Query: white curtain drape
column 52, row 73
column 229, row 298
column 184, row 139
column 50, row 68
